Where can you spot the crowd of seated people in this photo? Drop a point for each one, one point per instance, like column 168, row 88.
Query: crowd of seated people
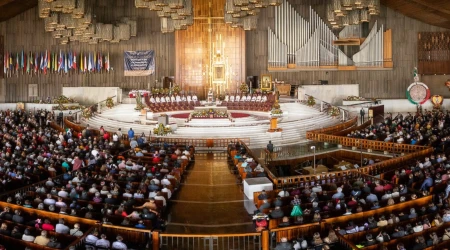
column 79, row 176
column 427, row 128
column 38, row 230
column 161, row 103
column 320, row 201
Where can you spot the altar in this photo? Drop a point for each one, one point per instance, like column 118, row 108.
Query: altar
column 259, row 184
column 207, row 108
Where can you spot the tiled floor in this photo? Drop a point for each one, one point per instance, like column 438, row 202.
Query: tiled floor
column 209, row 201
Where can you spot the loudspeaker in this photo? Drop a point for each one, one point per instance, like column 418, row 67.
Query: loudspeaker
column 323, row 82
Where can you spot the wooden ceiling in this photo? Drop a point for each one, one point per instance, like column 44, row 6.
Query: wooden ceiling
column 434, row 12
column 12, row 8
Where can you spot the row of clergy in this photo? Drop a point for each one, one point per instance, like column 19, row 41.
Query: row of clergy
column 194, row 98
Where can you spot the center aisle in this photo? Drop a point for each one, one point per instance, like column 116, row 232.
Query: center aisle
column 209, row 201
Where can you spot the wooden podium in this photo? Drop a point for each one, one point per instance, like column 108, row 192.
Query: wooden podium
column 274, row 125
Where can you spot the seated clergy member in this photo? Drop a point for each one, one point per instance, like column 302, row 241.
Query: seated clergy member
column 178, row 98
column 264, row 98
column 163, row 99
column 194, row 98
column 249, row 97
column 189, row 98
column 232, row 98
column 152, row 99
column 227, row 98
column 183, row 98
column 254, row 98
column 238, row 98
column 157, row 99
column 258, row 98
column 168, row 99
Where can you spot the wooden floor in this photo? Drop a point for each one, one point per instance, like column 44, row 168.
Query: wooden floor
column 209, row 201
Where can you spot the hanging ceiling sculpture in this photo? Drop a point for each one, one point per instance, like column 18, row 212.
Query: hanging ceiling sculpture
column 174, row 14
column 74, row 20
column 300, row 44
column 244, row 13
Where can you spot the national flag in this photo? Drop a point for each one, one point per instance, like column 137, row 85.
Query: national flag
column 22, row 65
column 69, row 61
column 81, row 62
column 36, row 62
column 74, row 64
column 85, row 63
column 90, row 62
column 60, row 60
column 65, row 63
column 11, row 67
column 107, row 66
column 5, row 60
column 55, row 62
column 29, row 62
column 100, row 62
column 17, row 62
column 48, row 60
column 94, row 62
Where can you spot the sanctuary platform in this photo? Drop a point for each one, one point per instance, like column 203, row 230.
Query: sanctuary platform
column 296, row 120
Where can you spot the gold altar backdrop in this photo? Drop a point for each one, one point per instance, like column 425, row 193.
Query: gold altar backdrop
column 194, row 45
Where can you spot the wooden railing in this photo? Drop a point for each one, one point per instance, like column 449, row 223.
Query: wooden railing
column 209, row 143
column 334, row 129
column 354, row 128
column 245, row 241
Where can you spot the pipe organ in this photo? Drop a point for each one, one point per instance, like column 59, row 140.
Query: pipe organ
column 296, row 43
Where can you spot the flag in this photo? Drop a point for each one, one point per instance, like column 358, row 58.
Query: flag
column 5, row 62
column 22, row 62
column 107, row 66
column 11, row 62
column 17, row 62
column 48, row 60
column 69, row 61
column 65, row 63
column 85, row 63
column 55, row 63
column 100, row 62
column 74, row 64
column 29, row 62
column 90, row 62
column 81, row 62
column 94, row 64
column 36, row 61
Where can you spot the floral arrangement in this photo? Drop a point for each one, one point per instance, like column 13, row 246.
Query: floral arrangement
column 354, row 98
column 311, row 101
column 155, row 91
column 62, row 107
column 161, row 130
column 209, row 113
column 276, row 112
column 243, row 88
column 109, row 102
column 334, row 111
column 139, row 104
column 176, row 89
column 63, row 99
column 86, row 112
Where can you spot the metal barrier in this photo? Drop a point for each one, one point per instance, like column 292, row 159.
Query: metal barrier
column 249, row 241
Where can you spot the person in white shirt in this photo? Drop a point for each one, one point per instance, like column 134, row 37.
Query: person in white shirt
column 61, row 227
column 238, row 98
column 161, row 198
column 244, row 98
column 157, row 99
column 226, row 98
column 166, row 190
column 232, row 98
column 91, row 239
column 152, row 99
column 63, row 193
column 103, row 242
column 60, row 203
column 168, row 99
column 49, row 200
column 165, row 181
column 178, row 98
column 119, row 245
column 283, row 193
column 152, row 194
column 93, row 189
column 194, row 98
column 264, row 99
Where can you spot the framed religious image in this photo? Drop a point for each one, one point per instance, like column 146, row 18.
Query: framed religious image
column 218, row 73
column 266, row 82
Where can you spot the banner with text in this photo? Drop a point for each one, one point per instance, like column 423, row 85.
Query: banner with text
column 139, row 63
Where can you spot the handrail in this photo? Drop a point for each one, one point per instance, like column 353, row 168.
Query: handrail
column 343, row 110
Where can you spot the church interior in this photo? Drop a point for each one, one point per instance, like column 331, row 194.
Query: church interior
column 225, row 124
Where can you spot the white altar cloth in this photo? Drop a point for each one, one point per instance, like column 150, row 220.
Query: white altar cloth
column 252, row 185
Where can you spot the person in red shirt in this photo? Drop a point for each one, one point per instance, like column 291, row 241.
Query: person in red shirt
column 48, row 226
column 156, row 159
